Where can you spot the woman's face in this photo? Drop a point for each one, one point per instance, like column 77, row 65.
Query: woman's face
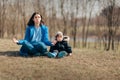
column 37, row 19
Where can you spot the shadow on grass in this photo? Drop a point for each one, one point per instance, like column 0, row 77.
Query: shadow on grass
column 15, row 54
column 10, row 53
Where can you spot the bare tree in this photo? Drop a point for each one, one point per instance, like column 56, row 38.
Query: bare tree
column 1, row 19
column 91, row 4
column 108, row 13
column 3, row 13
column 74, row 20
column 64, row 15
column 84, row 18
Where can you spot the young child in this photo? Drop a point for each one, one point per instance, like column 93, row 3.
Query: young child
column 61, row 48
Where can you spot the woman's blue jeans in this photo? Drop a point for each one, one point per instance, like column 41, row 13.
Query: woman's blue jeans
column 33, row 48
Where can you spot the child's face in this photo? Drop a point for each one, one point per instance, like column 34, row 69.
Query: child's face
column 37, row 19
column 59, row 38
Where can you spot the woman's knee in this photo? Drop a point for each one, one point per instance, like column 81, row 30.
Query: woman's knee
column 41, row 45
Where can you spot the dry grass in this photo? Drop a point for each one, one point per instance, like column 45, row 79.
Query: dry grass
column 84, row 64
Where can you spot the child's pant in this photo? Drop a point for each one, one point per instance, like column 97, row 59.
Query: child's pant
column 60, row 54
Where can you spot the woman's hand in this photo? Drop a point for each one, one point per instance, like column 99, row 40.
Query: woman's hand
column 54, row 42
column 15, row 40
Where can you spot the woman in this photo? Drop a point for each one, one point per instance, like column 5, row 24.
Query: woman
column 36, row 37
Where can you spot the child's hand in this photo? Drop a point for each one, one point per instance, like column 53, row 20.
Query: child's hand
column 69, row 54
column 54, row 42
column 15, row 40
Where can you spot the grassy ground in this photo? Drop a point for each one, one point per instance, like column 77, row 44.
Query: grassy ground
column 84, row 64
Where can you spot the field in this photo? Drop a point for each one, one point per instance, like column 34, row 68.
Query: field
column 84, row 64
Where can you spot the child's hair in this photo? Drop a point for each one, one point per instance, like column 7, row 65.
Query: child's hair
column 59, row 33
column 65, row 38
column 31, row 22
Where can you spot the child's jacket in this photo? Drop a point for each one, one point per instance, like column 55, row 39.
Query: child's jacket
column 61, row 46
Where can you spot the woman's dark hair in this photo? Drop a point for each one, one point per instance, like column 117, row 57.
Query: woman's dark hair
column 31, row 22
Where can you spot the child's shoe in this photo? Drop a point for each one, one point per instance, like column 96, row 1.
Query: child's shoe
column 61, row 54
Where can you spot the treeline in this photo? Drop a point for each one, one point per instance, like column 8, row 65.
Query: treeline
column 76, row 18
